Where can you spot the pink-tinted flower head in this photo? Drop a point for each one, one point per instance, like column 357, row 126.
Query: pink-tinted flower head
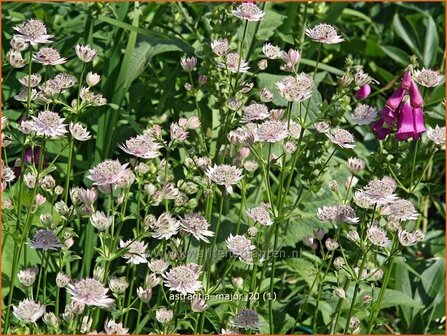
column 248, row 11
column 395, row 99
column 415, row 96
column 363, row 92
column 406, row 80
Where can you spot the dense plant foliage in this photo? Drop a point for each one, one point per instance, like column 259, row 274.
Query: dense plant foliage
column 223, row 168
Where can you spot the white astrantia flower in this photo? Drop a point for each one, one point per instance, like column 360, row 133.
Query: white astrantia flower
column 356, row 165
column 90, row 292
column 100, row 221
column 196, row 225
column 255, row 112
column 164, row 315
column 136, row 251
column 271, row 131
column 377, row 236
column 241, row 247
column 28, row 276
column 165, row 226
column 28, row 311
column 114, row 328
column 364, row 114
column 400, row 210
column 79, row 132
column 48, row 124
column 298, row 88
column 260, row 215
column 220, row 47
column 248, row 11
column 324, row 33
column 85, row 53
column 341, row 137
column 65, row 80
column 48, row 56
column 428, row 77
column 225, row 175
column 379, row 192
column 407, row 238
column 34, row 32
column 183, row 279
column 108, row 173
column 271, row 51
column 158, row 266
column 8, row 175
column 142, row 146
column 234, row 63
column 31, row 81
column 437, row 135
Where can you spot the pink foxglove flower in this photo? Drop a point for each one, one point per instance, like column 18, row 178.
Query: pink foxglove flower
column 415, row 95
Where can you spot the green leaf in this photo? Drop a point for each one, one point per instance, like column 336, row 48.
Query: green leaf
column 396, row 54
column 393, row 298
column 214, row 319
column 431, row 43
column 433, row 278
column 404, row 30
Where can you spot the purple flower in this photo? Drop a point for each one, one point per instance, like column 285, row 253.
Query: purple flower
column 379, row 129
column 415, row 95
column 363, row 92
column 418, row 121
column 388, row 115
column 405, row 123
column 395, row 99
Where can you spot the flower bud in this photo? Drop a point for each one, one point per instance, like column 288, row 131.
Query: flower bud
column 363, row 92
column 18, row 43
column 62, row 280
column 198, row 305
column 92, row 79
column 262, row 64
column 203, row 79
column 340, row 292
column 50, row 319
column 238, row 282
column 144, row 295
column 164, row 315
column 27, row 277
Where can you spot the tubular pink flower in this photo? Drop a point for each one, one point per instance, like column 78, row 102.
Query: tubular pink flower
column 363, row 92
column 379, row 129
column 395, row 99
column 405, row 124
column 406, row 80
column 418, row 122
column 415, row 96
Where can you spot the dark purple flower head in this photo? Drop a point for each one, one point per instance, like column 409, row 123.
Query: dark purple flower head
column 388, row 115
column 363, row 92
column 379, row 129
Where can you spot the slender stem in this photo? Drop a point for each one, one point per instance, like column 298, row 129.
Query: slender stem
column 413, row 166
column 375, row 308
column 216, row 234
